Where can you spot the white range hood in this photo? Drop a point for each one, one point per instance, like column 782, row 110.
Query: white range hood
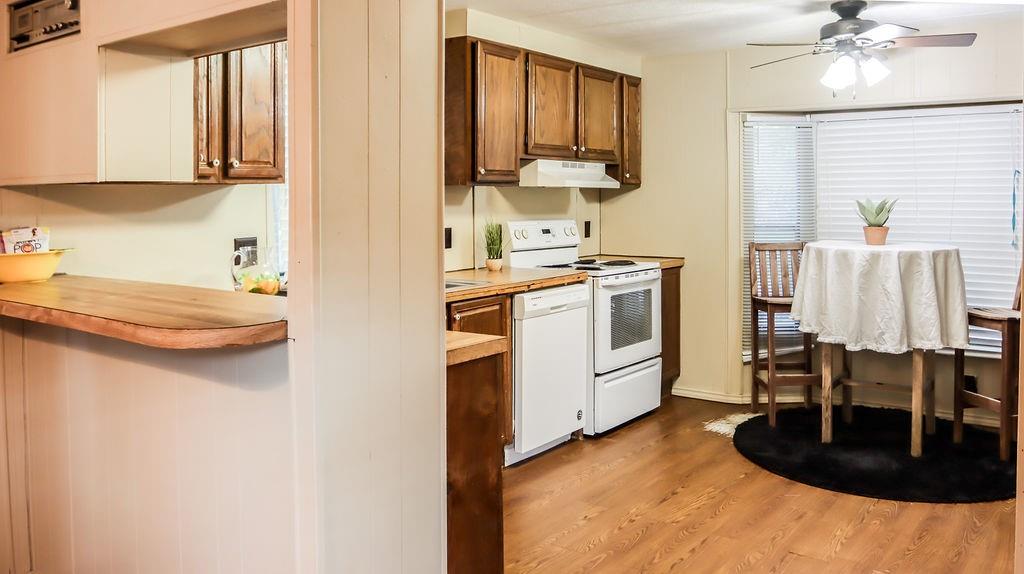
column 565, row 173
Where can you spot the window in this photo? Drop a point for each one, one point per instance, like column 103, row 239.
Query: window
column 277, row 199
column 778, row 197
column 956, row 172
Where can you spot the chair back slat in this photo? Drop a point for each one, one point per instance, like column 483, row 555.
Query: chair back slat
column 774, row 268
column 786, row 257
column 775, row 259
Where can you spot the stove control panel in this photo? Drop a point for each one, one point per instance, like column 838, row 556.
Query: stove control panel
column 543, row 234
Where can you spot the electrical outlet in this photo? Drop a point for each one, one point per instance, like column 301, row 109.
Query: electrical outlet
column 241, row 242
column 447, row 237
column 586, row 229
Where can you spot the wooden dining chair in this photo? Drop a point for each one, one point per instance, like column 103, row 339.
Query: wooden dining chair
column 1007, row 322
column 774, row 268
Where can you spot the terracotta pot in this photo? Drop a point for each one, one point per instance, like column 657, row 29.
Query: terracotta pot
column 875, row 235
column 493, row 264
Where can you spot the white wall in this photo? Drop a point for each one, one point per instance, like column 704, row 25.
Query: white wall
column 468, row 22
column 991, row 70
column 688, row 203
column 467, row 209
column 682, row 207
column 180, row 234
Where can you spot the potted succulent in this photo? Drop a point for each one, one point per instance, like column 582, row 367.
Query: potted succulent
column 875, row 217
column 494, row 244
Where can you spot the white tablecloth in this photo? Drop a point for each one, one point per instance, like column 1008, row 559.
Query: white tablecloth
column 887, row 298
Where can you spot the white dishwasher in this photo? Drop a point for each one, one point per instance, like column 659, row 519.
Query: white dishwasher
column 549, row 348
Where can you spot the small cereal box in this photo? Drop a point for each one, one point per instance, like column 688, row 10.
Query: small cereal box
column 26, row 240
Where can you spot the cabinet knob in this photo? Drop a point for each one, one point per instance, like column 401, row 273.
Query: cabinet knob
column 235, row 163
column 627, row 174
column 482, row 171
column 583, row 149
column 573, row 148
column 215, row 162
column 458, row 317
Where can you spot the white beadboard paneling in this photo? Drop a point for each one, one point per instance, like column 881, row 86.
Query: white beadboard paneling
column 146, row 460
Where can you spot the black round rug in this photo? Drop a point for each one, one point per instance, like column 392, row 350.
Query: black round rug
column 871, row 456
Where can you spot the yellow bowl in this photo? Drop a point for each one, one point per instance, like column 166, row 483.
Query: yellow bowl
column 18, row 267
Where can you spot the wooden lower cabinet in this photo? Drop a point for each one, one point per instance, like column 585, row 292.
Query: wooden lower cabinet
column 670, row 315
column 475, row 459
column 490, row 316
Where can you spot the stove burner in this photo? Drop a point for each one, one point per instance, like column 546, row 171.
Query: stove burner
column 586, row 262
column 557, row 266
column 619, row 263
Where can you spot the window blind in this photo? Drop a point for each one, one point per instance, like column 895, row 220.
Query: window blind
column 956, row 172
column 277, row 197
column 777, row 199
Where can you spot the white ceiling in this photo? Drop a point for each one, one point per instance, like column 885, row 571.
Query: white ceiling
column 671, row 26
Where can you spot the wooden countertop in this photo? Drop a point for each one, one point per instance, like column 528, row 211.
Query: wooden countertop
column 666, row 262
column 509, row 281
column 464, row 347
column 151, row 314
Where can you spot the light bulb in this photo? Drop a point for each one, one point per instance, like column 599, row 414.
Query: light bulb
column 874, row 70
column 841, row 74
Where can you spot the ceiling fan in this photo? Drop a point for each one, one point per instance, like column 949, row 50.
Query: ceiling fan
column 855, row 42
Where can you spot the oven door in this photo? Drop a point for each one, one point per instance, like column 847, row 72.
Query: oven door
column 627, row 319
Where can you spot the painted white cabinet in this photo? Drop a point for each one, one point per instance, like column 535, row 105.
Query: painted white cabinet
column 53, row 101
column 146, row 117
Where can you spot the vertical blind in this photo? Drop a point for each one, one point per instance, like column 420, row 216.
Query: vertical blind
column 777, row 198
column 956, row 173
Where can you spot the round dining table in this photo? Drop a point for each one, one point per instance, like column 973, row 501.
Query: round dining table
column 894, row 299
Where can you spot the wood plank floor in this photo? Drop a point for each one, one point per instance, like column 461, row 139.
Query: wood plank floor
column 664, row 495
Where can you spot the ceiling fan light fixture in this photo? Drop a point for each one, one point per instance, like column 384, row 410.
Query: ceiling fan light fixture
column 841, row 74
column 874, row 70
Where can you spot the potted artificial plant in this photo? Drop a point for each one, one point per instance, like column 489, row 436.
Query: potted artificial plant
column 875, row 218
column 493, row 242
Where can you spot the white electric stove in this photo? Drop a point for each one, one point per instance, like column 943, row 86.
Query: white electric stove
column 624, row 320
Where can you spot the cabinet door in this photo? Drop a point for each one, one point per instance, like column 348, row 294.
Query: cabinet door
column 489, row 316
column 255, row 109
column 630, row 161
column 474, row 462
column 670, row 328
column 598, row 115
column 209, row 107
column 551, row 107
column 498, row 69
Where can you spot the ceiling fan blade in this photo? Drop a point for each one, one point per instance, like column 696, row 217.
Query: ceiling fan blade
column 780, row 44
column 784, row 59
column 936, row 41
column 885, row 32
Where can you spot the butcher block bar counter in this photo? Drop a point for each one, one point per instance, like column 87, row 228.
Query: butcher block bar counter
column 150, row 314
column 508, row 281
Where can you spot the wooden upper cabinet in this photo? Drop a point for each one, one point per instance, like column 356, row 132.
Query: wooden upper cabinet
column 208, row 107
column 598, row 115
column 497, row 74
column 630, row 161
column 255, row 113
column 550, row 107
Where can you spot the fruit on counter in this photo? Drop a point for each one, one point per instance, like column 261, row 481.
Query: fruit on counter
column 257, row 281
